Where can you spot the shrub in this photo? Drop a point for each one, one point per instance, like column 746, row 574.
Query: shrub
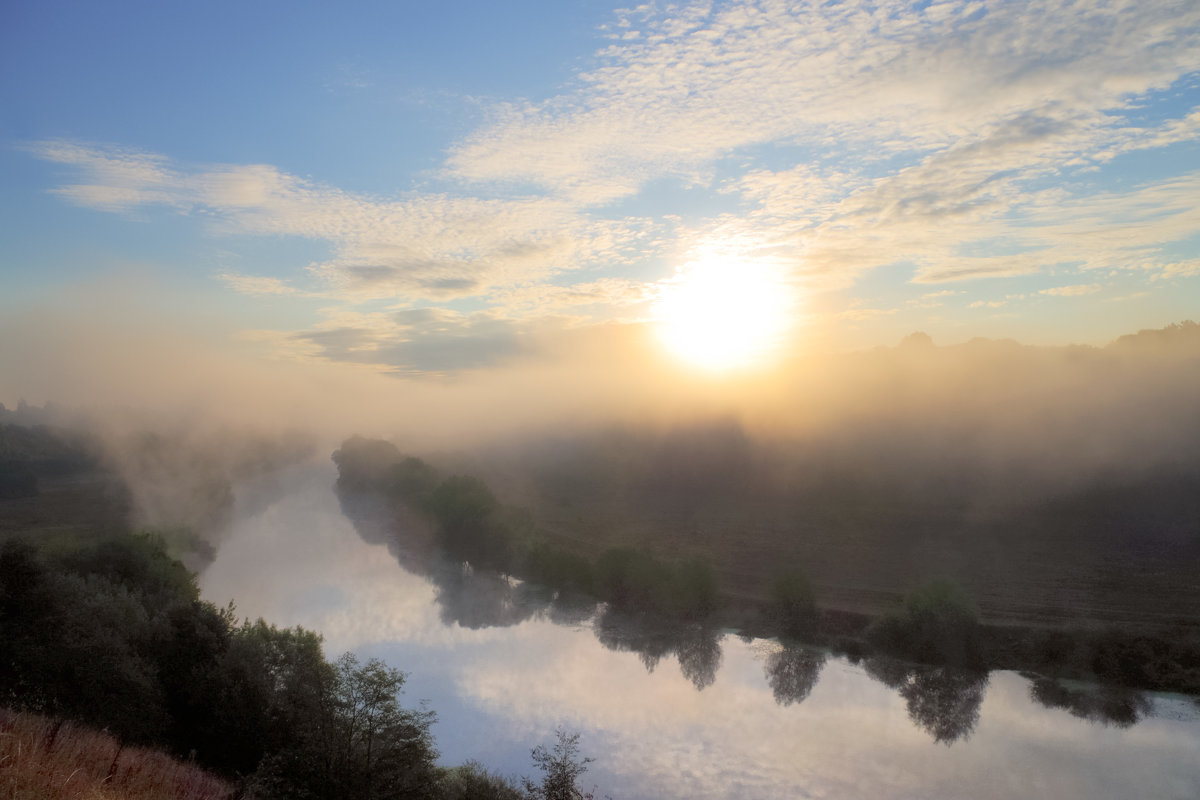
column 632, row 579
column 937, row 625
column 694, row 589
column 413, row 480
column 790, row 603
column 559, row 569
column 468, row 522
column 472, row 781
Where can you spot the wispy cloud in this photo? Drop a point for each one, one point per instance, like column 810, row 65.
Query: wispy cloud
column 702, row 81
column 1077, row 290
column 421, row 246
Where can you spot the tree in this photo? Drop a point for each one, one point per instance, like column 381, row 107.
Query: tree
column 467, row 517
column 791, row 604
column 382, row 750
column 561, row 768
column 938, row 625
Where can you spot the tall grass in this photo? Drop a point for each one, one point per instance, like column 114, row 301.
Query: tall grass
column 45, row 759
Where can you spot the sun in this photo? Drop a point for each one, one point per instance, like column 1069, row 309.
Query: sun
column 721, row 314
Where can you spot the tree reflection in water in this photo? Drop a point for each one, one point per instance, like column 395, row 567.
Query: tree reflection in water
column 697, row 647
column 792, row 673
column 483, row 599
column 943, row 701
column 1105, row 705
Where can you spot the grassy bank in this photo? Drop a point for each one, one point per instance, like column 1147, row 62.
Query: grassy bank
column 48, row 759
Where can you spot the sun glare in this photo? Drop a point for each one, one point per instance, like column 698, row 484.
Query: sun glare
column 720, row 315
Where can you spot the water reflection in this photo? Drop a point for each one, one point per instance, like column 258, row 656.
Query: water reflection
column 792, row 673
column 942, row 701
column 498, row 690
column 479, row 598
column 1106, row 705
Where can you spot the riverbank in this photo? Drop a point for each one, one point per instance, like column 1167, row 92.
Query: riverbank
column 934, row 623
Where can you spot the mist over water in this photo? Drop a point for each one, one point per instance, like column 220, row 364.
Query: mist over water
column 770, row 722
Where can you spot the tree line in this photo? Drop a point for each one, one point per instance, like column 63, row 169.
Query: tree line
column 936, row 623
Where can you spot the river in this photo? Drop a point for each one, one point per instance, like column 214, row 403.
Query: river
column 692, row 714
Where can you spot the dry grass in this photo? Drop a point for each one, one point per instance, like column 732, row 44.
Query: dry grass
column 43, row 759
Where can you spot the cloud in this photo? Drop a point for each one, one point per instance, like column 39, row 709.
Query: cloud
column 421, row 341
column 1072, row 291
column 959, row 141
column 856, row 314
column 256, row 285
column 421, row 246
column 702, row 81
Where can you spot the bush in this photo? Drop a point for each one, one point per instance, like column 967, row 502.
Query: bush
column 694, row 589
column 413, row 480
column 558, row 569
column 468, row 522
column 472, row 781
column 790, row 603
column 365, row 464
column 938, row 625
column 632, row 580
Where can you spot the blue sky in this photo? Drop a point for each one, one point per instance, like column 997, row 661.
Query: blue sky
column 424, row 189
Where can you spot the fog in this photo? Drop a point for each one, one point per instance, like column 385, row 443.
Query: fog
column 985, row 422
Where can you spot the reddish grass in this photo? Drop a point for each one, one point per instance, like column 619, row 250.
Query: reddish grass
column 44, row 759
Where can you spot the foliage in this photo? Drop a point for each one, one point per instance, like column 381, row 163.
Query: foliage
column 471, row 781
column 365, row 463
column 938, row 625
column 694, row 589
column 468, row 521
column 561, row 768
column 413, row 480
column 558, row 568
column 634, row 580
column 115, row 636
column 790, row 603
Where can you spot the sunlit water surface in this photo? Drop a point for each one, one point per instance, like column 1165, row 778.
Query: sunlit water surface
column 767, row 724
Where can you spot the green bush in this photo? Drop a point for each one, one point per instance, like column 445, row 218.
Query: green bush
column 413, row 481
column 472, row 781
column 559, row 569
column 632, row 580
column 938, row 624
column 790, row 603
column 468, row 522
column 693, row 589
